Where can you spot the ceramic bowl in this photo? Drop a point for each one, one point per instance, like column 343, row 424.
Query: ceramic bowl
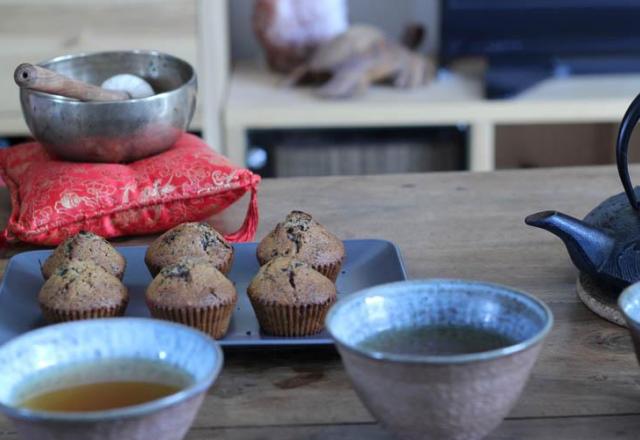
column 459, row 396
column 629, row 303
column 26, row 358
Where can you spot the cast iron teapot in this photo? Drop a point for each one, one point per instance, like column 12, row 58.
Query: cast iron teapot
column 606, row 244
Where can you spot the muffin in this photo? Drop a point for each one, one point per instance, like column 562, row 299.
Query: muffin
column 82, row 290
column 198, row 240
column 300, row 236
column 290, row 298
column 85, row 246
column 195, row 293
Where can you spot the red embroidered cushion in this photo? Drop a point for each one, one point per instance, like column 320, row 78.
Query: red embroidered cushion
column 54, row 199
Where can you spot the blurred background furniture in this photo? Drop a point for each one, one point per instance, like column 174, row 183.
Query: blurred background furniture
column 33, row 31
column 448, row 124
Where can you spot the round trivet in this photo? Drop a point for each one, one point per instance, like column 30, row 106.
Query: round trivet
column 600, row 300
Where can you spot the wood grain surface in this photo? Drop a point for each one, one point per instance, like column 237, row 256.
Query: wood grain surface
column 586, row 383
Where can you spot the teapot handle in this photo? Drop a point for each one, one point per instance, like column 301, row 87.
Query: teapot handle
column 627, row 125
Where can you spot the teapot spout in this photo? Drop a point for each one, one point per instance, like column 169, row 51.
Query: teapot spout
column 589, row 247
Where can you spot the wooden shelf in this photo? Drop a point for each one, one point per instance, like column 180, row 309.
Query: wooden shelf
column 256, row 101
column 12, row 124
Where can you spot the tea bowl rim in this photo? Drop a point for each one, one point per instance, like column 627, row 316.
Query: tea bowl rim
column 623, row 300
column 390, row 289
column 140, row 410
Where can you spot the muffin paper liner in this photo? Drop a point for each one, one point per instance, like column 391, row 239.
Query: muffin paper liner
column 52, row 315
column 291, row 320
column 213, row 320
column 330, row 271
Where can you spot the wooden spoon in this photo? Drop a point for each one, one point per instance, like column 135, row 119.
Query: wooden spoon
column 38, row 78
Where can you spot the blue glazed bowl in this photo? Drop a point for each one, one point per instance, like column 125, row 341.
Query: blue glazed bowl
column 426, row 396
column 629, row 304
column 28, row 359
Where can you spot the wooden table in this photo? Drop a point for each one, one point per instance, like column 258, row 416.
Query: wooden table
column 586, row 383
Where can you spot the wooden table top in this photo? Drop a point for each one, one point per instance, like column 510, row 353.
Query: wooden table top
column 586, row 383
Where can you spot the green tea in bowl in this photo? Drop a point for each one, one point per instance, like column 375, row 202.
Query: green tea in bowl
column 436, row 340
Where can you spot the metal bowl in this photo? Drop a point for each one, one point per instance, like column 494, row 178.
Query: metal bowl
column 113, row 131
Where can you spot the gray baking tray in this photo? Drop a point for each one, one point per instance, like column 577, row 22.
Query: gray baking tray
column 368, row 262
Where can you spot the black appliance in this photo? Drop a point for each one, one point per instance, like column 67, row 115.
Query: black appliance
column 526, row 41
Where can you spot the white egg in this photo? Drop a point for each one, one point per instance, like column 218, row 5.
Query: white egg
column 135, row 86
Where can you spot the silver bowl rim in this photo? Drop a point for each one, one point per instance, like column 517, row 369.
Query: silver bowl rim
column 61, row 99
column 396, row 288
column 127, row 411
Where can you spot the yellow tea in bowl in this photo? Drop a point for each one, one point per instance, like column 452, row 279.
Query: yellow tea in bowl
column 108, row 379
column 101, row 386
column 99, row 396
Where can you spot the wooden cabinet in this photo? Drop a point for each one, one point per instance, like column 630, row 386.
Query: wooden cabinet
column 355, row 151
column 233, row 103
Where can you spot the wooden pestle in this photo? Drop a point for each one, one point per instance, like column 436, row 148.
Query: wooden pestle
column 38, row 78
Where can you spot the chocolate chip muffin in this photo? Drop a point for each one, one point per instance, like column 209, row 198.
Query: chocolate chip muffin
column 290, row 298
column 81, row 289
column 195, row 293
column 198, row 240
column 86, row 246
column 300, row 236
